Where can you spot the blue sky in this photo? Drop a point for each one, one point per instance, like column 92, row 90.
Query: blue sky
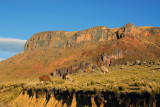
column 20, row 19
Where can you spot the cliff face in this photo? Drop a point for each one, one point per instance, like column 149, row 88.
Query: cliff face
column 119, row 45
column 63, row 39
column 58, row 52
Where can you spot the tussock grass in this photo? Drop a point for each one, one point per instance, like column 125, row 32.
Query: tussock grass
column 129, row 79
column 136, row 78
column 10, row 93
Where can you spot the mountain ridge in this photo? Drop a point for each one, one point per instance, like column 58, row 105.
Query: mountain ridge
column 62, row 39
column 57, row 52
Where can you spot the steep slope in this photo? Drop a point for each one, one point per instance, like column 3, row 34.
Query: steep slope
column 58, row 52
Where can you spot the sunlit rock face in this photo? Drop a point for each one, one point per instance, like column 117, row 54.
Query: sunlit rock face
column 58, row 52
column 62, row 39
column 123, row 44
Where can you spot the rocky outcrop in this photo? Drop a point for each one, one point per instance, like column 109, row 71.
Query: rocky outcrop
column 134, row 31
column 60, row 39
column 55, row 39
column 133, row 36
column 73, row 68
column 63, row 39
column 58, row 52
column 101, row 59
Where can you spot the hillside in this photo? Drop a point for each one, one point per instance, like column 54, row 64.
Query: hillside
column 57, row 52
column 134, row 86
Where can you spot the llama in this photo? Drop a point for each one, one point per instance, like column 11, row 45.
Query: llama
column 45, row 78
column 104, row 69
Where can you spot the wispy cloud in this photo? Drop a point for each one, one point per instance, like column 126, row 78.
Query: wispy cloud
column 11, row 45
column 1, row 59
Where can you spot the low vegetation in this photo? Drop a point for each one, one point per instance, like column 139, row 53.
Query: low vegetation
column 124, row 79
column 9, row 93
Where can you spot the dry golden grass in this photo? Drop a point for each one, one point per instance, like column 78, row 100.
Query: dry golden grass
column 136, row 78
column 9, row 93
column 131, row 78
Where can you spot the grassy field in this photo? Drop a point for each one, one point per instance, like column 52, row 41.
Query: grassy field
column 129, row 79
column 135, row 78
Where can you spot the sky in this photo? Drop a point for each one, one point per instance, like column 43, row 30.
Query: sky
column 20, row 19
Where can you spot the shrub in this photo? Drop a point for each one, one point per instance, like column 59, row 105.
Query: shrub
column 60, row 81
column 93, row 83
column 140, row 84
column 115, row 88
column 97, row 89
column 123, row 87
column 47, row 83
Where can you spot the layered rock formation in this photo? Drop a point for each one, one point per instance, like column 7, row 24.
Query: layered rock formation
column 61, row 51
column 63, row 39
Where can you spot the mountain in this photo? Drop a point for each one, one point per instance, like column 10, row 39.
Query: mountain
column 57, row 52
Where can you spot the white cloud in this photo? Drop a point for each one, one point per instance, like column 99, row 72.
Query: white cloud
column 1, row 59
column 11, row 45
